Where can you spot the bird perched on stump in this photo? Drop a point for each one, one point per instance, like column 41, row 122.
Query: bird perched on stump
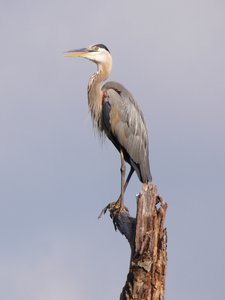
column 116, row 114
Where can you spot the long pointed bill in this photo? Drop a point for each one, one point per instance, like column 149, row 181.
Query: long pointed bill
column 77, row 53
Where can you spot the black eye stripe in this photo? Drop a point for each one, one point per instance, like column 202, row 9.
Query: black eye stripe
column 101, row 46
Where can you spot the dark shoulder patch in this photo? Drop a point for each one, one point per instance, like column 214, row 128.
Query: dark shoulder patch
column 106, row 108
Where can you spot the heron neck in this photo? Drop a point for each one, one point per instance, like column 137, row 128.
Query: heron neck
column 95, row 95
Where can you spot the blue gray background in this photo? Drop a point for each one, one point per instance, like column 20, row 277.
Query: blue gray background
column 56, row 175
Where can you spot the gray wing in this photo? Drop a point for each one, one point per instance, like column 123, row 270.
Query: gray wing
column 124, row 125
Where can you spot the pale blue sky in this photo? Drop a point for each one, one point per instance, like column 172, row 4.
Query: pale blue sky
column 56, row 176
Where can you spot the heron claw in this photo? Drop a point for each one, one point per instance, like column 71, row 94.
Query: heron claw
column 113, row 208
column 104, row 210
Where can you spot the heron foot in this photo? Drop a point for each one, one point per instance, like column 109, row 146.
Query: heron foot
column 115, row 209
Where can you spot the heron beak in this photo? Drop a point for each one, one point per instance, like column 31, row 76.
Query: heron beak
column 77, row 53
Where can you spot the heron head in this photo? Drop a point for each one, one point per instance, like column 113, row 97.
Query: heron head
column 98, row 53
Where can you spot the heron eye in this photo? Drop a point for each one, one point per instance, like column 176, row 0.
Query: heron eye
column 94, row 48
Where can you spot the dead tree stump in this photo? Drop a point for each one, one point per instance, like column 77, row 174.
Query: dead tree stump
column 148, row 241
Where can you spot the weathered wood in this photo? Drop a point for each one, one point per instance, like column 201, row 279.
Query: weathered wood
column 148, row 241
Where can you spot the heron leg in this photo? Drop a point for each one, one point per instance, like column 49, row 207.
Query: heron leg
column 119, row 203
column 128, row 178
column 124, row 184
column 123, row 172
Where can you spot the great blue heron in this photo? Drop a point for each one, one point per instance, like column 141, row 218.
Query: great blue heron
column 115, row 113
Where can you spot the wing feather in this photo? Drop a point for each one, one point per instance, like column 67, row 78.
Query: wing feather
column 124, row 124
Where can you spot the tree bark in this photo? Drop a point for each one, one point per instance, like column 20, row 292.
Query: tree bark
column 148, row 241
